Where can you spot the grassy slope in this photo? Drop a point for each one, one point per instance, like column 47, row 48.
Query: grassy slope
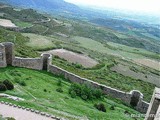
column 54, row 102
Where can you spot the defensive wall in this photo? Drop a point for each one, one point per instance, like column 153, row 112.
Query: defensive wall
column 7, row 57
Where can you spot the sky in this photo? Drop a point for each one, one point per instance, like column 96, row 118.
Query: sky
column 147, row 6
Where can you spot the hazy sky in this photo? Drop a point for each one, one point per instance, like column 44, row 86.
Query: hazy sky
column 152, row 6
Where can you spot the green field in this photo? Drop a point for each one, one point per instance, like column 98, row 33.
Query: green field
column 22, row 24
column 40, row 93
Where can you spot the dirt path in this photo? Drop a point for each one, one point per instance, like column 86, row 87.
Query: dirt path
column 20, row 114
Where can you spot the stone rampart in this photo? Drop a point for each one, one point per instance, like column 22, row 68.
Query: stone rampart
column 126, row 97
column 133, row 98
column 32, row 63
column 2, row 56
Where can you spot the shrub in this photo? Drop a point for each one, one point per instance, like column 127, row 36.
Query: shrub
column 84, row 97
column 8, row 84
column 86, row 92
column 59, row 90
column 59, row 83
column 78, row 65
column 73, row 94
column 3, row 87
column 22, row 83
column 112, row 107
column 9, row 118
column 100, row 107
column 45, row 90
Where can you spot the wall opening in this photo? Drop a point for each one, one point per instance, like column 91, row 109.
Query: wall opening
column 46, row 61
column 135, row 98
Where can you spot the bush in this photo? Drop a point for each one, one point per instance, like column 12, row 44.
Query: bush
column 100, row 107
column 59, row 83
column 84, row 97
column 45, row 90
column 8, row 84
column 9, row 118
column 3, row 87
column 78, row 65
column 112, row 107
column 59, row 90
column 73, row 94
column 22, row 83
column 86, row 92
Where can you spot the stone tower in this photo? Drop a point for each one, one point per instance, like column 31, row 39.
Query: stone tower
column 9, row 52
column 153, row 112
column 2, row 56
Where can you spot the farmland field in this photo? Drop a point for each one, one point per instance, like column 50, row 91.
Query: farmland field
column 72, row 57
column 7, row 23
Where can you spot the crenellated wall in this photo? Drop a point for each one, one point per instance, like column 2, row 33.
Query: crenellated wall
column 134, row 98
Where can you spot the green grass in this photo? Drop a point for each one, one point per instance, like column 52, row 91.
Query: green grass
column 22, row 24
column 39, row 41
column 60, row 104
column 107, row 77
column 113, row 48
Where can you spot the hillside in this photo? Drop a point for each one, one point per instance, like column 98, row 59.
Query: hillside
column 125, row 58
column 80, row 37
column 40, row 92
column 134, row 30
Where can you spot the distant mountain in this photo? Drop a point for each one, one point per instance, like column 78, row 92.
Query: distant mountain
column 46, row 5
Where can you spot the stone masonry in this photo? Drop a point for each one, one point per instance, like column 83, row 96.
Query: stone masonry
column 153, row 112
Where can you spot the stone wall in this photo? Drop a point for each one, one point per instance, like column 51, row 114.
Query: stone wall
column 32, row 63
column 9, row 52
column 134, row 98
column 2, row 56
column 126, row 97
column 153, row 112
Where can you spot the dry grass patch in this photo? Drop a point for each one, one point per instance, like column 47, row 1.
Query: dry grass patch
column 148, row 62
column 72, row 57
column 7, row 23
column 38, row 41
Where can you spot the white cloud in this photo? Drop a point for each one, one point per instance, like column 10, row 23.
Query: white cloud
column 136, row 5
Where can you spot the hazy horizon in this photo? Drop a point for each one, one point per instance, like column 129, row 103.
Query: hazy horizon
column 146, row 6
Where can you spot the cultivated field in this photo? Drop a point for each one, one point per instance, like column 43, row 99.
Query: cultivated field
column 133, row 72
column 7, row 23
column 38, row 41
column 74, row 57
column 148, row 62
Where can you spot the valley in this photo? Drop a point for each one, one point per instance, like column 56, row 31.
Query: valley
column 122, row 59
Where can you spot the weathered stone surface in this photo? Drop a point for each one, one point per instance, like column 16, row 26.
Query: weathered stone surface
column 32, row 63
column 9, row 51
column 141, row 106
column 153, row 112
column 2, row 56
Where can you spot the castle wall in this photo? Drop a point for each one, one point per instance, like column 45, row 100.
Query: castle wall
column 124, row 96
column 32, row 63
column 9, row 52
column 44, row 63
column 2, row 56
column 153, row 112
